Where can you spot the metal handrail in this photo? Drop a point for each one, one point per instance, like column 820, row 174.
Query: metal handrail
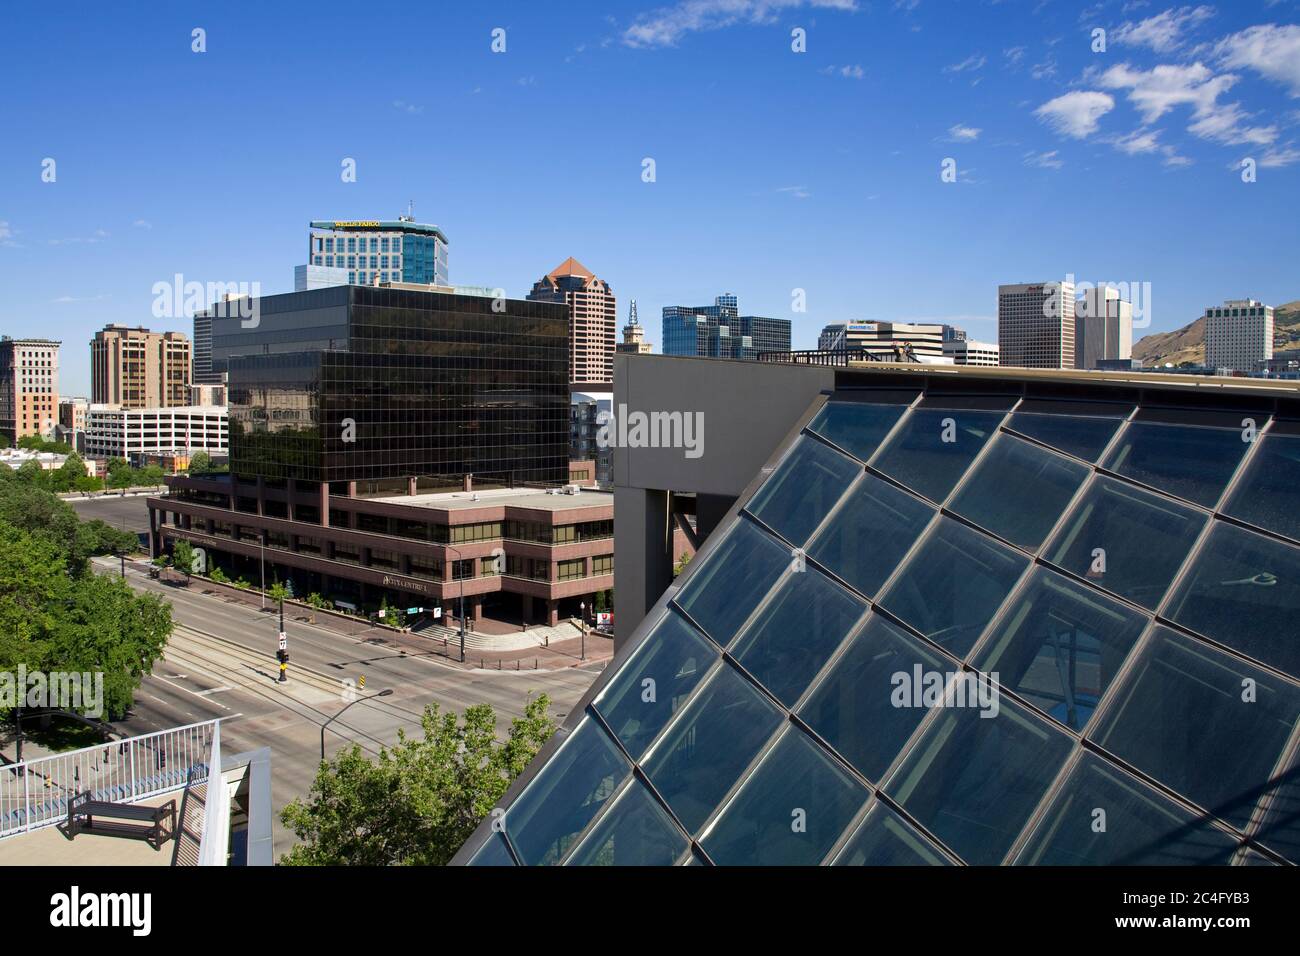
column 35, row 793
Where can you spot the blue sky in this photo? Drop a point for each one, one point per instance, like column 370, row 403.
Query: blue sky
column 775, row 170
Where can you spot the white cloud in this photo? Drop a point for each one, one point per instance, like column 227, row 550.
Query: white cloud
column 142, row 224
column 1049, row 160
column 666, row 25
column 1076, row 114
column 69, row 299
column 1271, row 51
column 406, row 107
column 797, row 192
column 1275, row 157
column 1163, row 33
column 1156, row 91
column 5, row 231
column 964, row 134
column 1014, row 55
column 849, row 72
column 1138, row 142
column 1045, row 70
column 975, row 61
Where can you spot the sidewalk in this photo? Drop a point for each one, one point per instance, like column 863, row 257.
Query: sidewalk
column 436, row 640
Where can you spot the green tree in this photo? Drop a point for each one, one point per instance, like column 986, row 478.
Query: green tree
column 55, row 620
column 316, row 602
column 278, row 591
column 200, row 462
column 151, row 475
column 32, row 473
column 44, row 516
column 218, row 575
column 418, row 802
column 183, row 558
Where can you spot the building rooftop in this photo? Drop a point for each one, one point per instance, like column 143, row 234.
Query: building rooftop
column 942, row 626
column 514, row 497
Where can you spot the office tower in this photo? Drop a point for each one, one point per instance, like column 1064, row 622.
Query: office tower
column 634, row 335
column 952, row 333
column 894, row 341
column 207, row 396
column 136, row 368
column 966, row 351
column 1036, row 324
column 29, row 387
column 795, row 690
column 400, row 445
column 1238, row 335
column 831, row 337
column 593, row 318
column 201, row 366
column 719, row 331
column 1103, row 327
column 396, row 251
column 309, row 276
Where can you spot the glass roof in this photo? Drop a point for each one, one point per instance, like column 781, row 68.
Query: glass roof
column 1051, row 633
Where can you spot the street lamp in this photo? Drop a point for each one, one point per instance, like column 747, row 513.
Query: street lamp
column 383, row 693
column 582, row 627
column 462, row 602
column 261, row 553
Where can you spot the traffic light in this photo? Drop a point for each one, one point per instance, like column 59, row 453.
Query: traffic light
column 282, row 656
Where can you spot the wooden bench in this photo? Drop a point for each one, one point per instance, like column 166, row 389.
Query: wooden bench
column 137, row 820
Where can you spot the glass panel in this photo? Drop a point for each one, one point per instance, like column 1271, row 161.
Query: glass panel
column 853, row 708
column 1280, row 831
column 790, row 812
column 1078, row 435
column 493, row 852
column 673, row 657
column 1268, row 494
column 807, row 619
column 722, row 594
column 886, row 839
column 1190, row 461
column 1019, row 491
column 635, row 831
column 973, row 782
column 878, row 512
column 1202, row 723
column 1243, row 590
column 857, row 427
column 953, row 585
column 1106, row 817
column 803, row 489
column 565, row 795
column 1126, row 540
column 1059, row 645
column 934, row 446
column 705, row 750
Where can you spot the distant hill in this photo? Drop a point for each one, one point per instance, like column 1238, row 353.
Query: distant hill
column 1188, row 343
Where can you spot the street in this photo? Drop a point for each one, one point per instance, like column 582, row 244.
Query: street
column 220, row 662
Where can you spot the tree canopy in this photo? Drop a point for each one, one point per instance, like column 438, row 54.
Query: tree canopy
column 56, row 614
column 417, row 803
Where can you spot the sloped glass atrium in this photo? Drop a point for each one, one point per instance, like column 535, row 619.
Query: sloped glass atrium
column 966, row 628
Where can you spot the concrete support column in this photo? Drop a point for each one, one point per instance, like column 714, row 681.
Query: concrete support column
column 410, row 485
column 404, row 563
column 324, row 504
column 476, row 608
column 643, row 531
column 261, row 495
column 552, row 612
column 526, row 607
column 291, row 492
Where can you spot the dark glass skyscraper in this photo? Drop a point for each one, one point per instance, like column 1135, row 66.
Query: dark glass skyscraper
column 358, row 383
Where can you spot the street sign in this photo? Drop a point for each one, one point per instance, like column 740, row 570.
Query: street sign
column 437, row 612
column 284, row 641
column 414, row 610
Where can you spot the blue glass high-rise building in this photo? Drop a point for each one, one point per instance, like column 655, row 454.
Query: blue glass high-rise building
column 720, row 331
column 392, row 251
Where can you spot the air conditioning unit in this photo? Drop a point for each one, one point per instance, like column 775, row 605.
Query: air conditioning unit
column 572, row 489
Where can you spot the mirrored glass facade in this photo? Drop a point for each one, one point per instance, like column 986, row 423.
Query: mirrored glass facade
column 946, row 655
column 358, row 383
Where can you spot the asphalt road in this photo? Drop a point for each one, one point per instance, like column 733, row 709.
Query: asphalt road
column 221, row 662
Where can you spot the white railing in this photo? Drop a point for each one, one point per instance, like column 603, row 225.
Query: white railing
column 35, row 793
